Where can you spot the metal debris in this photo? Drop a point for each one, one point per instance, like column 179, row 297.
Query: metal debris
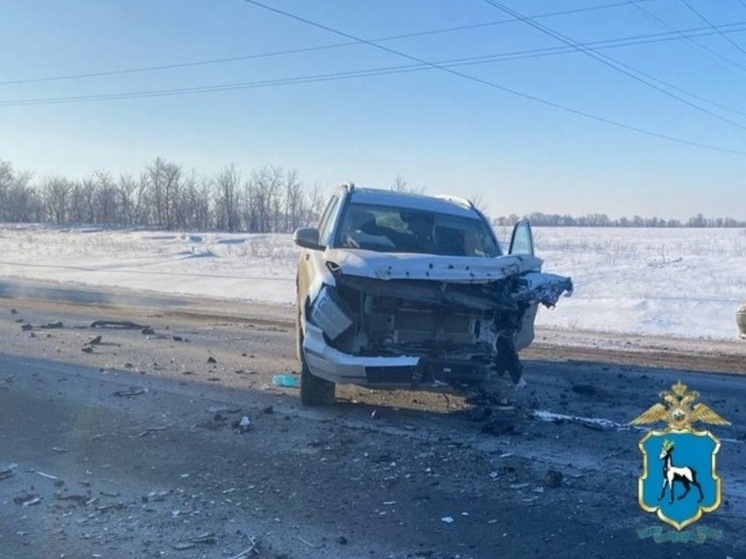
column 48, row 476
column 7, row 472
column 123, row 324
column 27, row 500
column 153, row 429
column 133, row 392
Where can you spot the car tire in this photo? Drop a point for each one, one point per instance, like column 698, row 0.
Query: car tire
column 314, row 391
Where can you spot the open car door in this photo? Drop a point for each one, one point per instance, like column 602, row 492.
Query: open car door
column 522, row 242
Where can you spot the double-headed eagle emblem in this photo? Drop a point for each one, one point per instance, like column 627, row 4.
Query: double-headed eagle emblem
column 678, row 411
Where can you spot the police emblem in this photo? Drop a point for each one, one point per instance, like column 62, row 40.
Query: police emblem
column 679, row 480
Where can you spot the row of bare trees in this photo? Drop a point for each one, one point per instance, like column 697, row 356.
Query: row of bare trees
column 271, row 199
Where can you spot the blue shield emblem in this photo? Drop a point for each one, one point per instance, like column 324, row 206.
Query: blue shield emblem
column 679, row 480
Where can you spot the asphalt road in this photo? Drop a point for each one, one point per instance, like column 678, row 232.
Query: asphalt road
column 129, row 447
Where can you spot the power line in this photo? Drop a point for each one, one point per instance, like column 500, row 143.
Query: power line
column 614, row 64
column 670, row 27
column 494, row 85
column 709, row 23
column 191, row 64
column 372, row 72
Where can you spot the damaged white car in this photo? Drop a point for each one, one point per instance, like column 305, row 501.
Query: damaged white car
column 399, row 290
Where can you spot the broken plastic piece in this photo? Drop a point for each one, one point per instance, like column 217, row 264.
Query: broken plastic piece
column 286, row 381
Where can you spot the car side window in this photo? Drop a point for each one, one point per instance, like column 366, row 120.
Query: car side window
column 326, row 223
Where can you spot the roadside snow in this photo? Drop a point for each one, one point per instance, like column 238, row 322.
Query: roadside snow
column 666, row 282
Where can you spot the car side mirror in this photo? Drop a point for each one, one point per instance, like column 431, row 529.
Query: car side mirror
column 307, row 237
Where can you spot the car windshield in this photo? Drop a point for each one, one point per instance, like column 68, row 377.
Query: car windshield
column 391, row 229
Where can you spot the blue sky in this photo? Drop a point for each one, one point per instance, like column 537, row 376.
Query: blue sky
column 550, row 132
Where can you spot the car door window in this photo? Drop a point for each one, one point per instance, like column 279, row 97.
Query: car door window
column 522, row 241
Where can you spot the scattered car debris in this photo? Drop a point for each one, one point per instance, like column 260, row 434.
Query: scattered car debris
column 7, row 472
column 147, row 331
column 154, row 429
column 222, row 409
column 133, row 392
column 80, row 500
column 248, row 551
column 123, row 324
column 27, row 500
column 26, row 327
column 86, row 349
column 94, row 340
column 242, row 425
column 286, row 381
column 52, row 325
column 48, row 476
column 208, row 538
column 553, row 478
column 211, row 360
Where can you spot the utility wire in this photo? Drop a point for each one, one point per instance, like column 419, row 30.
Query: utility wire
column 496, row 86
column 709, row 23
column 371, row 72
column 702, row 46
column 614, row 64
column 195, row 63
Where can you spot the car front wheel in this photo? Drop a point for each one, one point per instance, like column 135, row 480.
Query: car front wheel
column 314, row 391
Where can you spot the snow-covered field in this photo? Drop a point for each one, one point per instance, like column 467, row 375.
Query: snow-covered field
column 669, row 282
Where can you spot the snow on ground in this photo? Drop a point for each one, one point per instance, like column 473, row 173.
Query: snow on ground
column 668, row 282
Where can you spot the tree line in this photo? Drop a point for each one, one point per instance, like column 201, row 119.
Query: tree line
column 602, row 220
column 164, row 197
column 271, row 199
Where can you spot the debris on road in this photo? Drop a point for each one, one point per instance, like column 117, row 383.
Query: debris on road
column 48, row 476
column 133, row 392
column 208, row 538
column 27, row 500
column 211, row 360
column 52, row 325
column 123, row 324
column 94, row 340
column 243, row 425
column 553, row 478
column 7, row 472
column 286, row 381
column 154, row 429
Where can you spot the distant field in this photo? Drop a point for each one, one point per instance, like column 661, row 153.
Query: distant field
column 669, row 282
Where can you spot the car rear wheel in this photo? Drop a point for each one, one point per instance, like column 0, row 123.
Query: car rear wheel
column 314, row 391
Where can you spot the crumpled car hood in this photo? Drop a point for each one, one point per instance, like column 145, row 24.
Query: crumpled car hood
column 454, row 269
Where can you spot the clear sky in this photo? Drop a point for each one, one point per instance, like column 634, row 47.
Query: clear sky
column 623, row 107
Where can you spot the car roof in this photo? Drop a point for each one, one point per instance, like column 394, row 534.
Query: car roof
column 440, row 204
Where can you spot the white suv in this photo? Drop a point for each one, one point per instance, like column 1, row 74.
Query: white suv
column 400, row 290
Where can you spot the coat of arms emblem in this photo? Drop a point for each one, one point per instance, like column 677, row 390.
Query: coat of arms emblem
column 679, row 480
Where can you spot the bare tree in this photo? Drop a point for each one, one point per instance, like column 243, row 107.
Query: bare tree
column 164, row 183
column 105, row 198
column 125, row 189
column 227, row 199
column 56, row 194
column 22, row 202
